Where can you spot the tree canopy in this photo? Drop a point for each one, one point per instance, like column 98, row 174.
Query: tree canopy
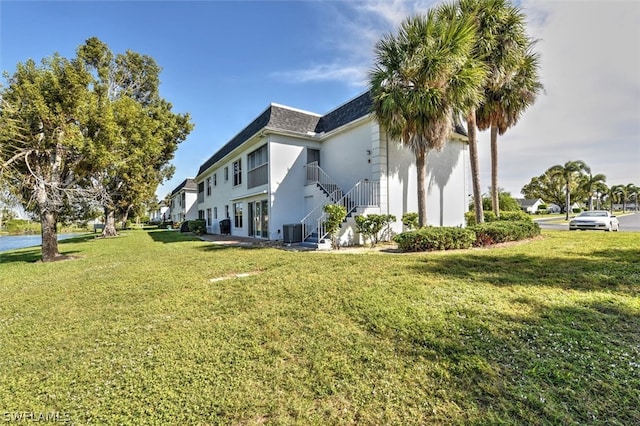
column 89, row 128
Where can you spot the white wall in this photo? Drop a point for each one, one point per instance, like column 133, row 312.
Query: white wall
column 446, row 184
column 287, row 160
column 344, row 156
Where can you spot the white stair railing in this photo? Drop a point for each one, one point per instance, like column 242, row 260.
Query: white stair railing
column 364, row 194
column 315, row 175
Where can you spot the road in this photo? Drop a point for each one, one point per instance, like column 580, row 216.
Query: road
column 629, row 222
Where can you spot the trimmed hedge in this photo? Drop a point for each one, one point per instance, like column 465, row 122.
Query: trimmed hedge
column 198, row 226
column 427, row 239
column 503, row 231
column 489, row 216
column 443, row 238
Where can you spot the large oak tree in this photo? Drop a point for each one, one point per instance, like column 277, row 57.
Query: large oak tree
column 93, row 126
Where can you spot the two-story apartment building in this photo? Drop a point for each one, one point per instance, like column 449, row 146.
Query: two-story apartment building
column 284, row 166
column 183, row 201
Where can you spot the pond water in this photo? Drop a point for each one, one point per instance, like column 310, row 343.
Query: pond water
column 12, row 242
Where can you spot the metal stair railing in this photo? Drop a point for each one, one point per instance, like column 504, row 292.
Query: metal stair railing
column 363, row 194
column 315, row 175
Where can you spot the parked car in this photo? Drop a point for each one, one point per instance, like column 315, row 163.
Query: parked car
column 594, row 219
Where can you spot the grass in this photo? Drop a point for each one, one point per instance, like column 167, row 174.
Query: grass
column 154, row 327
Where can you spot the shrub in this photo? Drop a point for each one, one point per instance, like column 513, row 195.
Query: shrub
column 335, row 216
column 372, row 225
column 410, row 220
column 576, row 210
column 198, row 226
column 490, row 216
column 443, row 238
column 165, row 225
column 503, row 231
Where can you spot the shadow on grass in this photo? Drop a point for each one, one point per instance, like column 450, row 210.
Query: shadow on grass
column 34, row 254
column 169, row 236
column 29, row 255
column 575, row 364
column 615, row 270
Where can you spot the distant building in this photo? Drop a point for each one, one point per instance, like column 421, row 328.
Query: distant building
column 183, row 201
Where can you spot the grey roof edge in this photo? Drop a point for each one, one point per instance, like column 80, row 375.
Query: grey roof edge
column 187, row 184
column 278, row 117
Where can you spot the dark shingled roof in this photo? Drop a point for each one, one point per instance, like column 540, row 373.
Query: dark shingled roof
column 277, row 117
column 187, row 184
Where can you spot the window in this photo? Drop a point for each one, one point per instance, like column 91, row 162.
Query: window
column 208, row 217
column 226, row 174
column 215, row 179
column 237, row 209
column 226, row 212
column 257, row 163
column 200, row 214
column 208, row 187
column 237, row 173
column 201, row 192
column 183, row 201
column 215, row 212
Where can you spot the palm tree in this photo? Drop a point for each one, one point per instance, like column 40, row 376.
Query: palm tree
column 420, row 78
column 599, row 189
column 504, row 105
column 590, row 184
column 634, row 190
column 569, row 172
column 617, row 193
column 502, row 45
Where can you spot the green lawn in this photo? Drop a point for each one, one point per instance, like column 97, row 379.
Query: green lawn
column 154, row 327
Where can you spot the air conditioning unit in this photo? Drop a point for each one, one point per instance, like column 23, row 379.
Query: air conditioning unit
column 292, row 233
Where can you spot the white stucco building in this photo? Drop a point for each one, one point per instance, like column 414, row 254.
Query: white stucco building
column 183, row 201
column 285, row 165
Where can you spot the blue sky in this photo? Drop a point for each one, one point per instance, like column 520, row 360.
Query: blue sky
column 224, row 62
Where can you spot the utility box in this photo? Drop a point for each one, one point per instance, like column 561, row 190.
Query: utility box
column 292, row 233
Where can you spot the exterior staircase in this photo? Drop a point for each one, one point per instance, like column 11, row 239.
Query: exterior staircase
column 363, row 194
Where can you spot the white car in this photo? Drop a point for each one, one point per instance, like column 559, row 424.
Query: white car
column 594, row 219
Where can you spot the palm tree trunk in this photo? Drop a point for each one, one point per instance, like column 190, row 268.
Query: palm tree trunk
column 475, row 168
column 495, row 200
column 421, row 169
column 567, row 201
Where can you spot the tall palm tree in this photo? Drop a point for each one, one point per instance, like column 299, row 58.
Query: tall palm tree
column 420, row 78
column 590, row 184
column 569, row 172
column 505, row 103
column 512, row 81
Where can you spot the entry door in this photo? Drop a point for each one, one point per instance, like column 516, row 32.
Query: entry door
column 259, row 212
column 313, row 155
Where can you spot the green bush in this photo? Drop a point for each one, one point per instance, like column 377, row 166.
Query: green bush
column 502, row 231
column 490, row 216
column 576, row 210
column 410, row 220
column 335, row 215
column 198, row 226
column 165, row 225
column 372, row 226
column 443, row 238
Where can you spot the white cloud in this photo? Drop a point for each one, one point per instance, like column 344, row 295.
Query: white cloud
column 348, row 74
column 590, row 66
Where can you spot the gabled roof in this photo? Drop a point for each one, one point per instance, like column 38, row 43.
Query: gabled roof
column 282, row 118
column 526, row 202
column 188, row 184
